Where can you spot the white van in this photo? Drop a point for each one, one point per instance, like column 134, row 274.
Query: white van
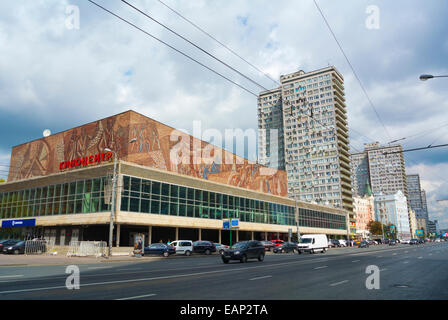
column 313, row 243
column 183, row 246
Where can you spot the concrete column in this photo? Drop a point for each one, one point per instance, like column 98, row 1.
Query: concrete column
column 265, row 236
column 252, row 235
column 177, row 233
column 237, row 236
column 149, row 234
column 118, row 235
column 278, row 235
column 219, row 236
column 200, row 234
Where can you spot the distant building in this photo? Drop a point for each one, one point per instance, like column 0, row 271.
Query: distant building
column 364, row 213
column 393, row 210
column 382, row 166
column 422, row 225
column 433, row 227
column 413, row 223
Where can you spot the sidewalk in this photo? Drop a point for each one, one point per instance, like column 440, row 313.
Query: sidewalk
column 7, row 260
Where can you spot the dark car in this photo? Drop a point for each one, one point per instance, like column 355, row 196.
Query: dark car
column 335, row 243
column 7, row 243
column 16, row 248
column 159, row 249
column 379, row 241
column 393, row 242
column 363, row 244
column 244, row 250
column 413, row 241
column 206, row 247
column 268, row 245
column 286, row 247
column 386, row 241
column 421, row 241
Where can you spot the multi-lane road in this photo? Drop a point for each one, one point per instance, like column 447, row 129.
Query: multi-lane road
column 402, row 272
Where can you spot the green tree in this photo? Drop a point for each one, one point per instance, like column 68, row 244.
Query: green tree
column 2, row 180
column 390, row 231
column 375, row 227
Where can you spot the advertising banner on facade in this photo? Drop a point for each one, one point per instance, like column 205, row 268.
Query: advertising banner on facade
column 19, row 223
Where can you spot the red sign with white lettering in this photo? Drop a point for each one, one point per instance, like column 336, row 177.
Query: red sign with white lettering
column 85, row 161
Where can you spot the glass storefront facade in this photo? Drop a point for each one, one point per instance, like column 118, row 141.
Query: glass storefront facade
column 146, row 196
column 81, row 196
column 155, row 197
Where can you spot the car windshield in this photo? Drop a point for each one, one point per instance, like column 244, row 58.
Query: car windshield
column 305, row 240
column 240, row 245
column 20, row 243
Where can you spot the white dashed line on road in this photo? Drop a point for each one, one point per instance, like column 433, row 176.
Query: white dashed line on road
column 420, row 257
column 12, row 276
column 137, row 297
column 320, row 267
column 356, row 260
column 338, row 283
column 258, row 278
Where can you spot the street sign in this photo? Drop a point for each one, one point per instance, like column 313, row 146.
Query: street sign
column 225, row 224
column 19, row 223
column 235, row 223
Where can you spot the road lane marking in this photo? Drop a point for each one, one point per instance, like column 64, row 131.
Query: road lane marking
column 137, row 297
column 258, row 278
column 322, row 267
column 338, row 283
column 406, row 262
column 98, row 268
column 394, row 254
column 356, row 260
column 420, row 257
column 384, row 269
column 12, row 276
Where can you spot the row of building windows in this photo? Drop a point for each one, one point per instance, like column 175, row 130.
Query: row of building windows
column 145, row 196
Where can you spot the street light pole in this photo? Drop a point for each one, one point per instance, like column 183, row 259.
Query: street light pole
column 112, row 210
column 114, row 194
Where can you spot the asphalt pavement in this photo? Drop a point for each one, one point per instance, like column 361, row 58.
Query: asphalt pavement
column 403, row 272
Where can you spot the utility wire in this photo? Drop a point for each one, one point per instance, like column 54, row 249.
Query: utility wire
column 353, row 69
column 193, row 44
column 173, row 48
column 416, row 149
column 222, row 44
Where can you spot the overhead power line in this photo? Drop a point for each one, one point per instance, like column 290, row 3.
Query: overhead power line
column 193, row 44
column 219, row 42
column 416, row 149
column 353, row 70
column 173, row 48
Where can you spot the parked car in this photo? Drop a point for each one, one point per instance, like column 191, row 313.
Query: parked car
column 17, row 248
column 243, row 251
column 206, row 247
column 405, row 241
column 277, row 242
column 7, row 243
column 413, row 241
column 183, row 247
column 437, row 240
column 220, row 247
column 335, row 243
column 422, row 241
column 342, row 243
column 386, row 241
column 363, row 244
column 286, row 247
column 378, row 241
column 371, row 242
column 393, row 242
column 313, row 243
column 357, row 242
column 159, row 249
column 268, row 245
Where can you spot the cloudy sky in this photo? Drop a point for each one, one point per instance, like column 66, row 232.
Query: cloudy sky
column 57, row 73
